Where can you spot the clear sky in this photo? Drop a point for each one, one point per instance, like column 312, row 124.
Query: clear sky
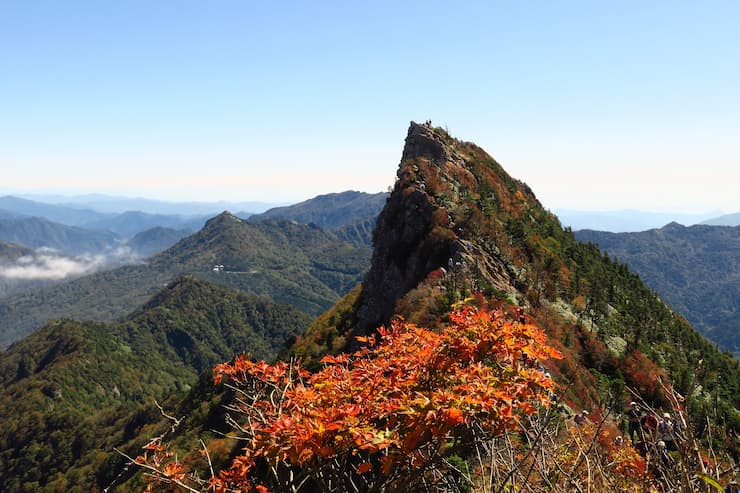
column 596, row 105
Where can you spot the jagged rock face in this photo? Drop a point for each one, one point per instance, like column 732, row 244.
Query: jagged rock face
column 403, row 254
column 415, row 233
column 421, row 141
column 401, row 259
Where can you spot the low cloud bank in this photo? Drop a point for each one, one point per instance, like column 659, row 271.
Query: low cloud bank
column 45, row 265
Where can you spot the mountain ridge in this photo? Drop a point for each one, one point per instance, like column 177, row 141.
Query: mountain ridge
column 626, row 220
column 457, row 227
column 72, row 391
column 330, row 211
column 695, row 269
column 456, row 230
column 724, row 220
column 38, row 232
column 295, row 264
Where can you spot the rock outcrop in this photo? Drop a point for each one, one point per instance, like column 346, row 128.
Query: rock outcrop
column 423, row 227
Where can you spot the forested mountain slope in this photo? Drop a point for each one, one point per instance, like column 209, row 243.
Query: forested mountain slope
column 37, row 232
column 301, row 265
column 458, row 230
column 72, row 391
column 695, row 269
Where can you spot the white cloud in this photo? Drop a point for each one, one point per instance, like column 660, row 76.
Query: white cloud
column 45, row 266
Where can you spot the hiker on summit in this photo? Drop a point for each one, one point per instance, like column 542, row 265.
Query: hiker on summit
column 519, row 312
column 649, row 423
column 666, row 432
column 664, row 459
column 633, row 416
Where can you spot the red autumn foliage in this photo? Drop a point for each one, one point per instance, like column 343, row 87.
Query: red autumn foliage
column 644, row 375
column 398, row 406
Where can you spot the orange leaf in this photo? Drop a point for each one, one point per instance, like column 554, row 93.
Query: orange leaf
column 454, row 416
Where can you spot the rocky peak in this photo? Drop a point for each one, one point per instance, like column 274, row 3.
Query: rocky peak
column 423, row 141
column 225, row 217
column 424, row 226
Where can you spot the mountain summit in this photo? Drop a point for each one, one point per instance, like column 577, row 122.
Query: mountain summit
column 458, row 229
column 435, row 219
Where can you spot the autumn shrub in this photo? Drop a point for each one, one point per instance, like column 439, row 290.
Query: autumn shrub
column 385, row 418
column 643, row 375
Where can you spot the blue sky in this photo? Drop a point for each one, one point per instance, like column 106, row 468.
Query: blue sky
column 596, row 105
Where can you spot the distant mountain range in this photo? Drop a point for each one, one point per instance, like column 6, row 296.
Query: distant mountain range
column 695, row 269
column 38, row 232
column 100, row 379
column 296, row 264
column 726, row 220
column 53, row 212
column 129, row 223
column 155, row 240
column 330, row 211
column 114, row 204
column 622, row 221
column 73, row 251
column 101, row 216
column 124, row 217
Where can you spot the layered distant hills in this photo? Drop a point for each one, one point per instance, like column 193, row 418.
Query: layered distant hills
column 85, row 223
column 100, row 379
column 331, row 211
column 621, row 221
column 292, row 263
column 84, row 232
column 155, row 240
column 725, row 220
column 695, row 269
column 350, row 215
column 129, row 223
column 69, row 216
column 116, row 204
column 80, row 210
column 37, row 232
